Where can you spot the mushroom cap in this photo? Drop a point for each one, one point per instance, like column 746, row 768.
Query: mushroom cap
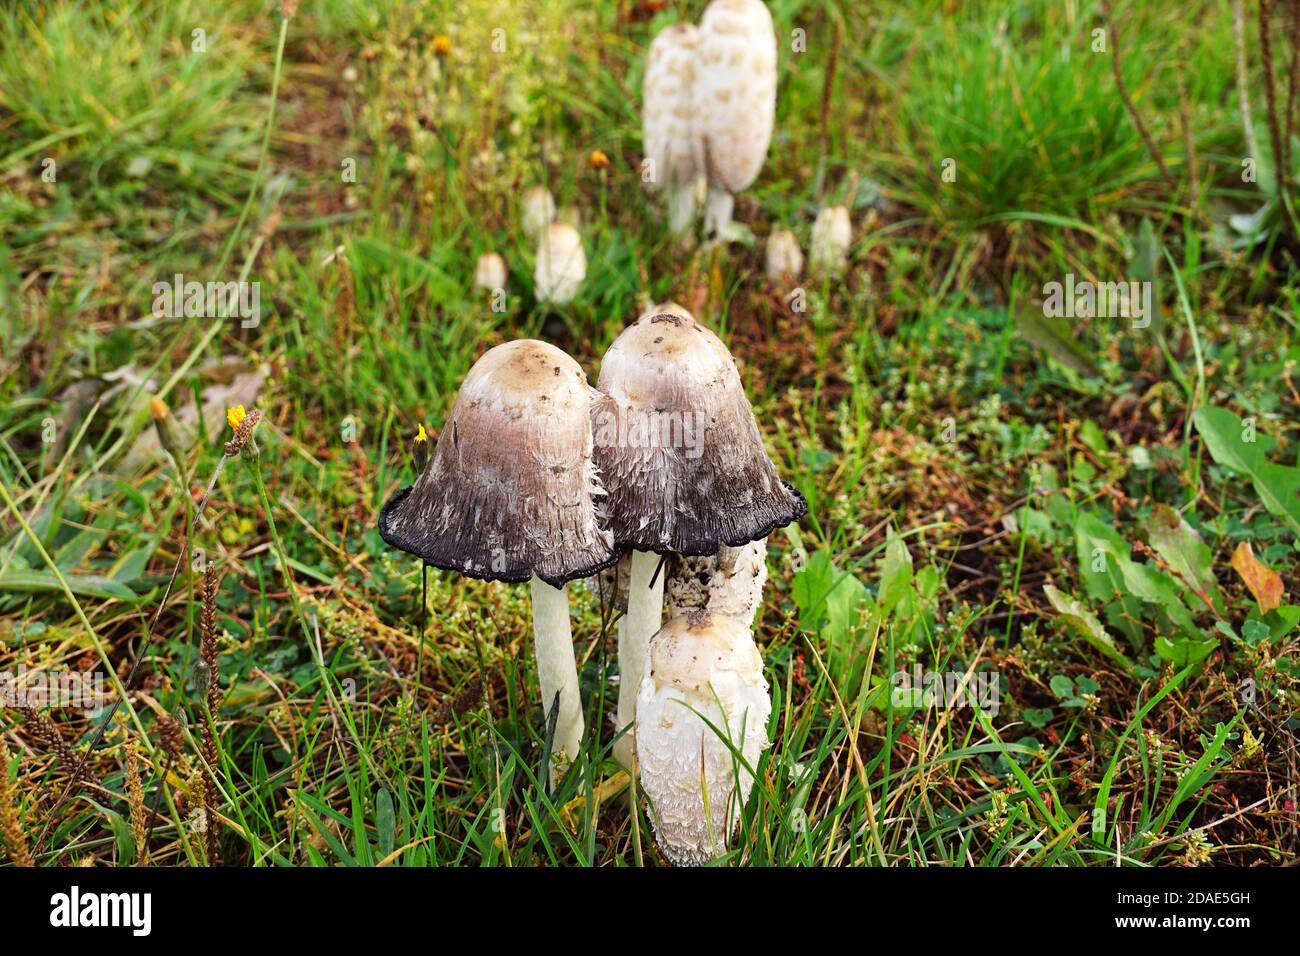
column 510, row 490
column 669, row 114
column 784, row 257
column 490, row 271
column 679, row 452
column 735, row 83
column 700, row 666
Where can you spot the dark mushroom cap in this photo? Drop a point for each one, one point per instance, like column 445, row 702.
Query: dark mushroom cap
column 511, row 488
column 679, row 452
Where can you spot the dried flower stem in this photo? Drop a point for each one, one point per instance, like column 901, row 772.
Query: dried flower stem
column 1116, row 67
column 1243, row 97
column 1270, row 95
column 10, row 827
column 208, row 731
column 135, row 800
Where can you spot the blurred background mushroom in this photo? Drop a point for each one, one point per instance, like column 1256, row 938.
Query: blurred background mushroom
column 561, row 264
column 539, row 211
column 703, row 669
column 736, row 91
column 509, row 494
column 832, row 234
column 670, row 124
column 490, row 272
column 784, row 257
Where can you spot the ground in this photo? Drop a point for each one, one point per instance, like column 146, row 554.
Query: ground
column 1096, row 518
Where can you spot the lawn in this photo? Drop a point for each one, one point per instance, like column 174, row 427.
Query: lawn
column 1095, row 520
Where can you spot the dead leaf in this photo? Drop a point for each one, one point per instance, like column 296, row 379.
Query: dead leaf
column 1264, row 583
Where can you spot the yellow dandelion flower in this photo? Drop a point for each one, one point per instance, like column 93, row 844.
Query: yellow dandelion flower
column 421, row 436
column 158, row 409
column 442, row 45
column 598, row 159
column 234, row 416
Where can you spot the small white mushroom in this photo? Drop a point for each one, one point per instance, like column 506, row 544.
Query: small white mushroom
column 700, row 666
column 831, row 235
column 539, row 211
column 736, row 91
column 729, row 582
column 670, row 124
column 784, row 257
column 561, row 264
column 490, row 272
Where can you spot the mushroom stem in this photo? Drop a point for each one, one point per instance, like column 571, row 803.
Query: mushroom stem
column 681, row 208
column 645, row 604
column 557, row 670
column 717, row 212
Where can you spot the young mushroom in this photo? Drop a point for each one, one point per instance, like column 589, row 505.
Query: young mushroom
column 670, row 125
column 703, row 669
column 490, row 272
column 510, row 494
column 832, row 234
column 784, row 257
column 683, row 465
column 736, row 90
column 539, row 211
column 561, row 264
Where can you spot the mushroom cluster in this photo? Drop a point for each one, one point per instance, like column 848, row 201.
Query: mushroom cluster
column 655, row 485
column 709, row 105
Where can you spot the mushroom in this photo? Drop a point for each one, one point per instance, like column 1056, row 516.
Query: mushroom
column 561, row 264
column 831, row 235
column 539, row 211
column 729, row 582
column 509, row 494
column 703, row 669
column 683, row 465
column 490, row 272
column 669, row 123
column 784, row 258
column 736, row 90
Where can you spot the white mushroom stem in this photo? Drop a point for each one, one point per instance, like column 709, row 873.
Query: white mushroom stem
column 644, row 615
column 717, row 212
column 557, row 671
column 682, row 200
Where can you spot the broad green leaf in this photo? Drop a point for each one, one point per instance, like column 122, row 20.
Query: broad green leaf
column 1178, row 543
column 1085, row 623
column 1055, row 338
column 1236, row 444
column 1185, row 651
column 895, row 575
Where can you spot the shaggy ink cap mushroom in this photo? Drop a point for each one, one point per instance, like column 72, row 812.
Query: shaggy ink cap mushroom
column 679, row 453
column 510, row 490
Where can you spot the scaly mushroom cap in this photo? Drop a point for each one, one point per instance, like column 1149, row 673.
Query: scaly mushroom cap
column 669, row 120
column 679, row 452
column 699, row 664
column 561, row 264
column 511, row 488
column 735, row 85
column 729, row 582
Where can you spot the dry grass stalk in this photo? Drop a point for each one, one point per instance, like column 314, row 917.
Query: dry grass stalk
column 1117, row 68
column 135, row 800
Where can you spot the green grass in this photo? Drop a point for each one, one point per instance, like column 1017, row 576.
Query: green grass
column 954, row 465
